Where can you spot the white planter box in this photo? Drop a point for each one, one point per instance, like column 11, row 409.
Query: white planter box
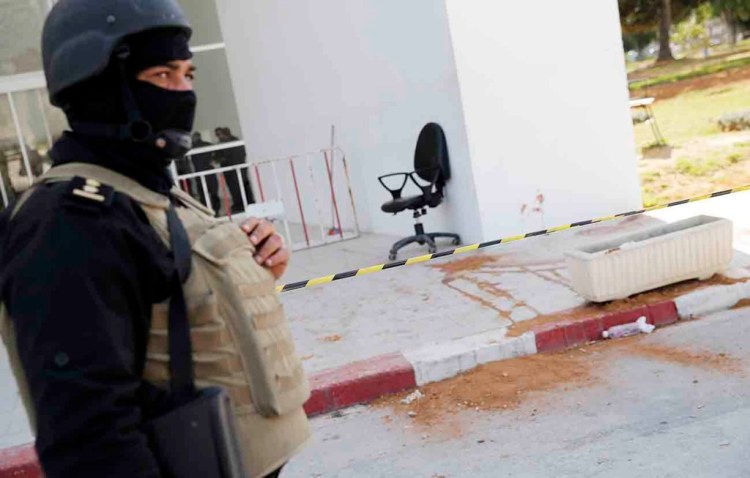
column 696, row 248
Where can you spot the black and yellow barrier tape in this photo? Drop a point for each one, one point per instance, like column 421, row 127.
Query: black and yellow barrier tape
column 474, row 247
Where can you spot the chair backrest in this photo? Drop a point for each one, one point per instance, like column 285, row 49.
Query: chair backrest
column 432, row 152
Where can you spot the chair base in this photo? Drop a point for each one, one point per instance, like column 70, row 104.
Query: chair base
column 422, row 239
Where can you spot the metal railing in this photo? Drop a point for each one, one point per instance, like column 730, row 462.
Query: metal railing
column 296, row 191
column 309, row 195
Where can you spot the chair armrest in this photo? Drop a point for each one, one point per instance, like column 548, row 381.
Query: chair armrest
column 395, row 192
column 429, row 189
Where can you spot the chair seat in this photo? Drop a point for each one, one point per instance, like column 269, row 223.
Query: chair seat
column 412, row 202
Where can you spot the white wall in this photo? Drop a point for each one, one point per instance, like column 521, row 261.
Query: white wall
column 545, row 99
column 204, row 20
column 535, row 107
column 217, row 106
column 377, row 69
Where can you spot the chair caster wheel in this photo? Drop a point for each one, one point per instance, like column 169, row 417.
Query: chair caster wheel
column 392, row 256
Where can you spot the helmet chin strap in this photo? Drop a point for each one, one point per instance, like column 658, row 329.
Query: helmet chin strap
column 174, row 143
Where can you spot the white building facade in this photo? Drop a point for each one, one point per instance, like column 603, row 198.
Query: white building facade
column 532, row 97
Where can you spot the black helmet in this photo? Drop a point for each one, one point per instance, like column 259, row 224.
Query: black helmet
column 80, row 36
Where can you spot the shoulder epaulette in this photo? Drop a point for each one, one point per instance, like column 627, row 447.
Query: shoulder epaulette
column 89, row 194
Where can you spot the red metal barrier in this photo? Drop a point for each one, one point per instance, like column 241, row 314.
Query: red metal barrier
column 227, row 202
column 299, row 202
column 260, row 185
column 333, row 195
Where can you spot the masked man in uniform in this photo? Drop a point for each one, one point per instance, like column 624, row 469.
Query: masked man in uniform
column 86, row 263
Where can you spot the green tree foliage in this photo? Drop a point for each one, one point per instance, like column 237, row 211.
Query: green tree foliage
column 644, row 15
column 739, row 8
column 637, row 41
column 637, row 16
column 733, row 12
column 692, row 32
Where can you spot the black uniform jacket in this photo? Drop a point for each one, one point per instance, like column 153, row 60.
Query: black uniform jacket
column 79, row 278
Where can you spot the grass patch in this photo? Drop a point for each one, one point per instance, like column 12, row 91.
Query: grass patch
column 652, row 145
column 694, row 114
column 650, row 199
column 702, row 70
column 635, row 66
column 698, row 167
column 734, row 158
column 707, row 159
column 650, row 177
column 688, row 65
column 695, row 174
column 714, row 162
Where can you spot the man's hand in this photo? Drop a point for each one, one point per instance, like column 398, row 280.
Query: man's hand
column 271, row 252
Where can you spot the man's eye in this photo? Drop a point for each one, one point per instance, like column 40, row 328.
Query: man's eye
column 163, row 75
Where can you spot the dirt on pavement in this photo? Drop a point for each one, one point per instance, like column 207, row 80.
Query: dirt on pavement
column 507, row 384
column 706, row 360
column 497, row 386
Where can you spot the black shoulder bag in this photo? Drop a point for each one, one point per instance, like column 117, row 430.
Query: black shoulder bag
column 197, row 438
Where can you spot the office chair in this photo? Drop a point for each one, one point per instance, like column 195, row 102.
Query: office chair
column 430, row 166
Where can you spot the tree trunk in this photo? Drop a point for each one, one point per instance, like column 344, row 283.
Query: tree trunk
column 731, row 23
column 665, row 25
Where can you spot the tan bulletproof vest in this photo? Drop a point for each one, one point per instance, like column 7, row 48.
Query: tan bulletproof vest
column 240, row 335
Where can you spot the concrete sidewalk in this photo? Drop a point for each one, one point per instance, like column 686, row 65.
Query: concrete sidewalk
column 410, row 309
column 444, row 300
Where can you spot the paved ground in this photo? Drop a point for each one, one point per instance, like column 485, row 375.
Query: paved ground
column 403, row 309
column 673, row 414
column 444, row 300
column 415, row 306
column 453, row 298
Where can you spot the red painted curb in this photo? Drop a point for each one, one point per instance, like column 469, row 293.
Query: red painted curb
column 625, row 317
column 19, row 462
column 359, row 382
column 663, row 314
column 560, row 336
column 550, row 337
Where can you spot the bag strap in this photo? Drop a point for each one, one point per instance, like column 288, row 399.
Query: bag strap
column 182, row 378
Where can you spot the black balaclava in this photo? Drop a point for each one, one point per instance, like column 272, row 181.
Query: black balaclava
column 163, row 109
column 103, row 102
column 99, row 114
